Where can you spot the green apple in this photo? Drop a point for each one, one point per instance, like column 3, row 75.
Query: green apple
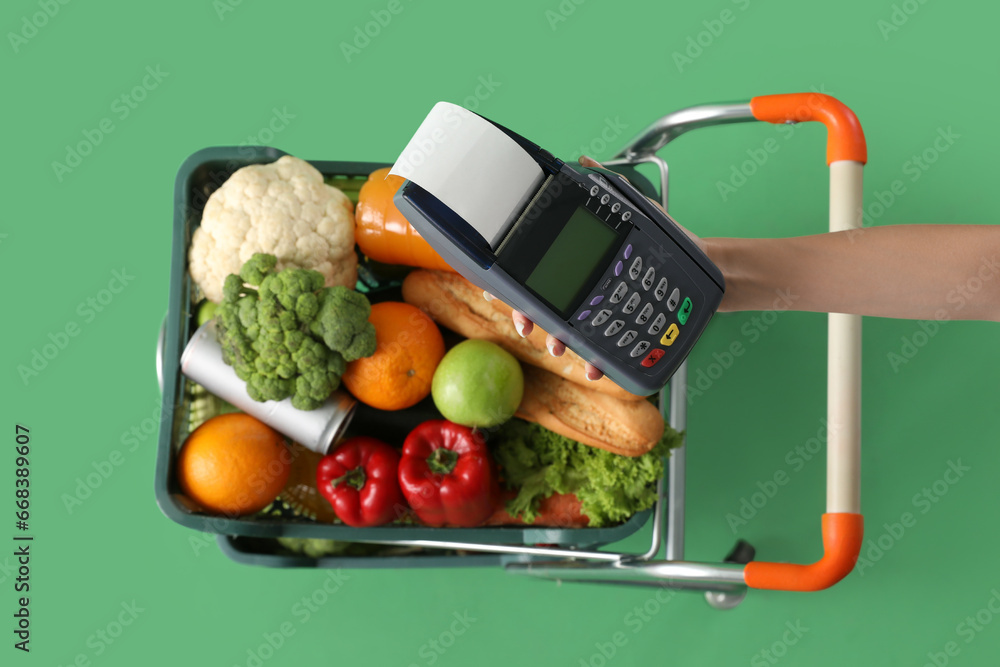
column 478, row 383
column 206, row 311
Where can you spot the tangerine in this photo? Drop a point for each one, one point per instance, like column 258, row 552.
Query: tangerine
column 233, row 464
column 408, row 348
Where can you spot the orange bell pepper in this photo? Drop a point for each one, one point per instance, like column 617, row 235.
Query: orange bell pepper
column 381, row 231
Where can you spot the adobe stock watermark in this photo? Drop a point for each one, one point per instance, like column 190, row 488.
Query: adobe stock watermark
column 704, row 378
column 610, row 132
column 103, row 468
column 205, row 537
column 958, row 298
column 426, row 145
column 32, row 23
column 54, row 344
column 432, row 650
column 796, row 459
column 8, row 569
column 636, row 619
column 223, row 7
column 875, row 548
column 698, row 43
column 121, row 108
column 968, row 629
column 739, row 174
column 913, row 168
column 365, row 34
column 898, row 17
column 302, row 610
column 771, row 655
column 106, row 636
column 263, row 136
column 562, row 12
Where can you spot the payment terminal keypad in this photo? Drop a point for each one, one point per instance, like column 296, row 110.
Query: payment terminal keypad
column 647, row 300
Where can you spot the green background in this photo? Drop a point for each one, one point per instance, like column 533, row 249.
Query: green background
column 561, row 83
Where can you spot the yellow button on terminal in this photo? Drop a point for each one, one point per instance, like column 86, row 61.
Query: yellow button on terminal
column 670, row 335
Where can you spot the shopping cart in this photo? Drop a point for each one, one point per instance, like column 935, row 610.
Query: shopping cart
column 579, row 554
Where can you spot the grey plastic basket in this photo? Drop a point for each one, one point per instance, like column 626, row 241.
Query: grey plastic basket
column 197, row 178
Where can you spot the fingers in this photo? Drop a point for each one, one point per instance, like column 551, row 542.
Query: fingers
column 522, row 324
column 556, row 346
column 587, row 161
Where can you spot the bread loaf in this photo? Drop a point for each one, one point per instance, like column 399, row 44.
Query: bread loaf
column 629, row 428
column 457, row 304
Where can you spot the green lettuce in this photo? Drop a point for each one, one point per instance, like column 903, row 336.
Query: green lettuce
column 537, row 463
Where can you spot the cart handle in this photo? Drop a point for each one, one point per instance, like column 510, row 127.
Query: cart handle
column 842, row 535
column 843, row 524
column 845, row 140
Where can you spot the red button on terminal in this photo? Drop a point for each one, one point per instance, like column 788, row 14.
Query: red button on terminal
column 653, row 357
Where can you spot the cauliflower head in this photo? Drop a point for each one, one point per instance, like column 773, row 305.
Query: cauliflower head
column 282, row 209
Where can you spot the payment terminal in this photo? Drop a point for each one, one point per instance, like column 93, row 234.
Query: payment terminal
column 580, row 251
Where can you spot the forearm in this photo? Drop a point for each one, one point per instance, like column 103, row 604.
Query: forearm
column 903, row 271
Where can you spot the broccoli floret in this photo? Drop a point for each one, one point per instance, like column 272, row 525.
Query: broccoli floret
column 288, row 285
column 343, row 323
column 307, row 306
column 255, row 268
column 232, row 287
column 291, row 336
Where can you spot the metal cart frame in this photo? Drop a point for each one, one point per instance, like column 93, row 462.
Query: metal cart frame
column 726, row 584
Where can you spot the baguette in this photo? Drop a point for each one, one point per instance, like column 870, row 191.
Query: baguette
column 629, row 428
column 457, row 304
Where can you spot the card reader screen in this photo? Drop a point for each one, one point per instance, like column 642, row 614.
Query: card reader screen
column 572, row 257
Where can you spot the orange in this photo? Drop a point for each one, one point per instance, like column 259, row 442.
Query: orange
column 408, row 347
column 233, row 464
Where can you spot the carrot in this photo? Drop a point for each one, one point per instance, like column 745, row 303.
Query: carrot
column 381, row 231
column 558, row 510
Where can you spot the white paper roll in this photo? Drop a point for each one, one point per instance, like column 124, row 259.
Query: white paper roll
column 474, row 168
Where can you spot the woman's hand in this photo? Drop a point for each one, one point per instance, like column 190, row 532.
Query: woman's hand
column 556, row 347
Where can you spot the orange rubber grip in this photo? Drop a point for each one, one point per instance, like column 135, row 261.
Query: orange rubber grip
column 842, row 535
column 845, row 139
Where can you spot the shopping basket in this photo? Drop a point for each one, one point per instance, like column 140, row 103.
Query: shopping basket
column 563, row 554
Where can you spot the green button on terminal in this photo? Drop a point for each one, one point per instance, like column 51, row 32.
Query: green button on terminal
column 685, row 312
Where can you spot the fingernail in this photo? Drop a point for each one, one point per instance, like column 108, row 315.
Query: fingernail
column 552, row 348
column 487, row 295
column 520, row 328
column 593, row 376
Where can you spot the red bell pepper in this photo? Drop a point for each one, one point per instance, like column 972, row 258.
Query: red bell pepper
column 359, row 478
column 447, row 475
